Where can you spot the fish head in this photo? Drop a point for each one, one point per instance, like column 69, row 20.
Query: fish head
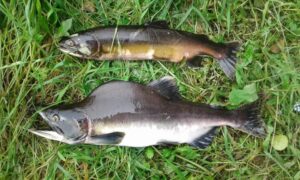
column 69, row 126
column 83, row 46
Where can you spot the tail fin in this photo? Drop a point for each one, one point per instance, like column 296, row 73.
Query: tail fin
column 228, row 61
column 250, row 121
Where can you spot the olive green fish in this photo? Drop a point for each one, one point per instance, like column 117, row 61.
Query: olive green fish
column 153, row 41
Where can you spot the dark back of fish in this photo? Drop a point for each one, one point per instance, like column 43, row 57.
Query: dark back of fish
column 134, row 99
column 144, row 34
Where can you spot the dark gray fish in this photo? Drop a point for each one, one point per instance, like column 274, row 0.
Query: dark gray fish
column 154, row 41
column 130, row 114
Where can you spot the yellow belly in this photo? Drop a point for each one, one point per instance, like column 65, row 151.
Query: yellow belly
column 173, row 53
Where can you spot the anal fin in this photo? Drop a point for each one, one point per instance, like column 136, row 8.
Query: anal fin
column 194, row 62
column 205, row 140
column 110, row 138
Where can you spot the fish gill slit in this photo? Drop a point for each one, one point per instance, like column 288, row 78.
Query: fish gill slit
column 98, row 46
column 90, row 129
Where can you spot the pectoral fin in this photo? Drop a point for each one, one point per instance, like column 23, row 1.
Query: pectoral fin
column 110, row 138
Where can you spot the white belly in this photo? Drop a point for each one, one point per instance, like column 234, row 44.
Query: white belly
column 147, row 136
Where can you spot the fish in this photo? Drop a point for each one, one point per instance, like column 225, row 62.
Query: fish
column 152, row 41
column 122, row 113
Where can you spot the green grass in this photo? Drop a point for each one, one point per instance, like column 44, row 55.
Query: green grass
column 34, row 73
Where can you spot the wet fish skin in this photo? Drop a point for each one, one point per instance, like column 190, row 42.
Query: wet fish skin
column 154, row 41
column 130, row 114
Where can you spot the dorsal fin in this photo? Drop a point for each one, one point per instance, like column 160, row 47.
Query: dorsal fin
column 158, row 24
column 166, row 87
column 205, row 140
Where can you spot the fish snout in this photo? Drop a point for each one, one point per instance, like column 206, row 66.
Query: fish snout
column 65, row 48
column 46, row 116
column 63, row 40
column 67, row 44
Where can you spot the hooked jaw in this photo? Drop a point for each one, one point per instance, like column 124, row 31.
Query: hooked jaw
column 52, row 134
column 49, row 134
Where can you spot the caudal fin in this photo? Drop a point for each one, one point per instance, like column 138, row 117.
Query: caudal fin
column 228, row 60
column 249, row 120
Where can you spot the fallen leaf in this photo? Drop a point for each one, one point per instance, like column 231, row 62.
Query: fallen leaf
column 64, row 28
column 246, row 95
column 89, row 6
column 277, row 47
column 149, row 153
column 280, row 142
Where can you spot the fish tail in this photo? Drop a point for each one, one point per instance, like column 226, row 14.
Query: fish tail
column 250, row 121
column 228, row 60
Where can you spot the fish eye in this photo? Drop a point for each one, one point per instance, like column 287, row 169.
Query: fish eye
column 55, row 117
column 70, row 43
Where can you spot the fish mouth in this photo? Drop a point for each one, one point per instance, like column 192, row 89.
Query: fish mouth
column 66, row 49
column 69, row 50
column 49, row 134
